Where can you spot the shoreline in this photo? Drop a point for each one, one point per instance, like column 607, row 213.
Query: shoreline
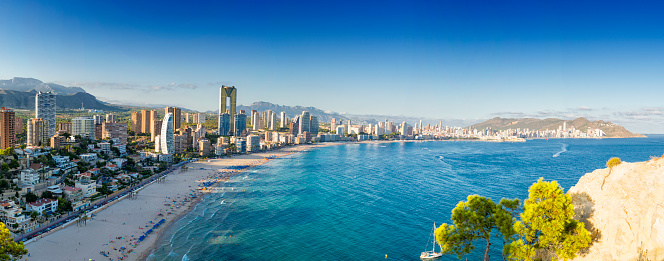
column 144, row 255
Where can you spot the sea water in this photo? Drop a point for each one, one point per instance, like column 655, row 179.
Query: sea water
column 376, row 201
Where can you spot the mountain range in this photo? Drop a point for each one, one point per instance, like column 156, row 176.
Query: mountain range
column 19, row 93
column 30, row 84
column 611, row 130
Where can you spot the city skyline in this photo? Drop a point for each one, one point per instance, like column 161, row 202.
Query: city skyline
column 457, row 60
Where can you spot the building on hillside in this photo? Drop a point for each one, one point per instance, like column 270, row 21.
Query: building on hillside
column 45, row 109
column 7, row 128
column 43, row 206
column 87, row 186
column 29, row 176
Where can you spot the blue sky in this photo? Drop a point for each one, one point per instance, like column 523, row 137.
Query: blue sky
column 434, row 59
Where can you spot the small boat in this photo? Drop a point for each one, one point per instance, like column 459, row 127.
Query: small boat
column 431, row 254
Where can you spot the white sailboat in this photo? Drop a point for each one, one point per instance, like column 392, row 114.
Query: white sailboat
column 431, row 254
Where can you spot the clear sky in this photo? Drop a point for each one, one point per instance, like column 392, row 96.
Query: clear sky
column 435, row 59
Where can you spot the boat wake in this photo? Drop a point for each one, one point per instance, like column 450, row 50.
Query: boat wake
column 563, row 149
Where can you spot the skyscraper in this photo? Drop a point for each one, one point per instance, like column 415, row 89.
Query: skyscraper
column 273, row 120
column 7, row 128
column 333, row 124
column 136, row 122
column 177, row 116
column 146, row 118
column 98, row 119
column 226, row 93
column 45, row 109
column 167, row 144
column 283, row 119
column 255, row 120
column 155, row 129
column 305, row 119
column 313, row 125
column 240, row 125
column 36, row 131
column 225, row 124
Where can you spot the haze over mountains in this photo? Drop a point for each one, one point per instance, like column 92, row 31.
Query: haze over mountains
column 19, row 93
column 30, row 84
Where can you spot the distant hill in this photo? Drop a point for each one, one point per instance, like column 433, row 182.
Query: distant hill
column 28, row 84
column 26, row 100
column 612, row 130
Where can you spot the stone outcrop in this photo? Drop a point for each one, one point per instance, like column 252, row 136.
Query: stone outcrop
column 623, row 208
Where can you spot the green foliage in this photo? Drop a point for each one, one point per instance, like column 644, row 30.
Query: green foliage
column 547, row 224
column 615, row 161
column 477, row 218
column 10, row 250
column 64, row 205
column 14, row 164
column 47, row 194
column 4, row 166
column 7, row 152
column 30, row 197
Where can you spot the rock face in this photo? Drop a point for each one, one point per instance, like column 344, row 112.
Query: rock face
column 623, row 208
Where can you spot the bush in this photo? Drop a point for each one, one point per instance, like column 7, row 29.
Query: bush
column 615, row 161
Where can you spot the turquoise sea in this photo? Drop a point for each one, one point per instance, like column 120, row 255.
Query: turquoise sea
column 366, row 201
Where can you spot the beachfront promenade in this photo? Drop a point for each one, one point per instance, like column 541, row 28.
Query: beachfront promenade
column 72, row 216
column 112, row 233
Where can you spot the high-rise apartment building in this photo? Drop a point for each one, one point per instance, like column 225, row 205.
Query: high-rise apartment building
column 64, row 127
column 18, row 127
column 305, row 120
column 7, row 128
column 240, row 125
column 84, row 126
column 255, row 120
column 177, row 116
column 111, row 117
column 146, row 118
column 313, row 125
column 155, row 129
column 45, row 109
column 283, row 120
column 167, row 143
column 37, row 132
column 98, row 119
column 273, row 120
column 115, row 130
column 225, row 124
column 227, row 93
column 333, row 124
column 136, row 122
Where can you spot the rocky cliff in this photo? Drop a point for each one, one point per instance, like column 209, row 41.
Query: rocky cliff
column 623, row 208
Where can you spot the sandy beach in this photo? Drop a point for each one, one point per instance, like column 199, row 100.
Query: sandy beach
column 113, row 232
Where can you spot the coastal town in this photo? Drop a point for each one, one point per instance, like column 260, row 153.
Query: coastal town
column 61, row 169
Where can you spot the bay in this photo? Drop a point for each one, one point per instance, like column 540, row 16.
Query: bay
column 375, row 201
